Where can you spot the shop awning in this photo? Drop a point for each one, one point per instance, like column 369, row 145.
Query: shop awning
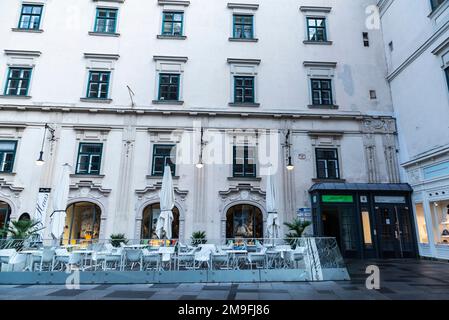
column 327, row 186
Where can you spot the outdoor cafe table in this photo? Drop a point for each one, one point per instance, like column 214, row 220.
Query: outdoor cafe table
column 235, row 256
column 86, row 253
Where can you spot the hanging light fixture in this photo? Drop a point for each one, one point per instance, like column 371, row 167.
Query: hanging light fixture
column 288, row 145
column 200, row 163
column 40, row 161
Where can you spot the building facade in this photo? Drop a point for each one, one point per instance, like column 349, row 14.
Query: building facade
column 222, row 92
column 416, row 39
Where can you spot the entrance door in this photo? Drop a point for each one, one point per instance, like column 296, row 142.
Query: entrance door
column 394, row 231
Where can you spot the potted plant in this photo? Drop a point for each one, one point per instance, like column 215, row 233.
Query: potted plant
column 296, row 229
column 116, row 239
column 198, row 237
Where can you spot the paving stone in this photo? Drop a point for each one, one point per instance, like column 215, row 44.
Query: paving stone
column 130, row 294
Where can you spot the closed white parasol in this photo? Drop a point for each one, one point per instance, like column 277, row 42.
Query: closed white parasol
column 271, row 202
column 60, row 198
column 167, row 200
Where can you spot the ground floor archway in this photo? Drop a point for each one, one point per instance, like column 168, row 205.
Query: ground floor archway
column 244, row 221
column 82, row 222
column 5, row 214
column 149, row 220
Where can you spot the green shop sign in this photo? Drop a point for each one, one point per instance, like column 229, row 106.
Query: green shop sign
column 337, row 198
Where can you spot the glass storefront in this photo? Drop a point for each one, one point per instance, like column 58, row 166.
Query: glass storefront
column 244, row 221
column 5, row 212
column 149, row 221
column 440, row 221
column 82, row 223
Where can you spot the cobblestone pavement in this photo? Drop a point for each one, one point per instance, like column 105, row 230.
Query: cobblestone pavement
column 400, row 279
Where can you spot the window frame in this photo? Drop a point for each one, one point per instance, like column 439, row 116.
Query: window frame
column 244, row 78
column 4, row 152
column 89, row 82
column 321, row 90
column 171, row 34
column 90, row 154
column 435, row 5
column 170, row 75
column 336, row 159
column 98, row 9
column 245, row 173
column 234, row 24
column 308, row 18
column 9, row 78
column 172, row 158
column 22, row 14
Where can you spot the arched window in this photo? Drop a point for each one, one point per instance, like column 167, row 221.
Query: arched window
column 244, row 221
column 82, row 222
column 5, row 212
column 25, row 217
column 149, row 220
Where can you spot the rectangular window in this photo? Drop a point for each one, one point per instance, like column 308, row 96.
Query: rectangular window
column 327, row 164
column 244, row 161
column 316, row 29
column 322, row 92
column 7, row 155
column 172, row 24
column 106, row 20
column 98, row 86
column 366, row 224
column 421, row 223
column 446, row 72
column 163, row 155
column 89, row 158
column 243, row 89
column 30, row 17
column 243, row 26
column 18, row 81
column 169, row 86
column 436, row 3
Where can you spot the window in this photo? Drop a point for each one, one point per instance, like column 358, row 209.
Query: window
column 98, row 86
column 316, row 28
column 322, row 92
column 172, row 24
column 30, row 17
column 243, row 27
column 18, row 82
column 89, row 158
column 327, row 164
column 421, row 223
column 7, row 155
column 373, row 94
column 169, row 86
column 243, row 89
column 244, row 161
column 365, row 39
column 436, row 3
column 106, row 20
column 366, row 225
column 163, row 155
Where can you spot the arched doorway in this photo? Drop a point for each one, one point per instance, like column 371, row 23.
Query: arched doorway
column 244, row 221
column 82, row 222
column 149, row 219
column 5, row 213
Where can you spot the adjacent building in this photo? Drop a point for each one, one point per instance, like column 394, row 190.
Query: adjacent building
column 416, row 35
column 223, row 93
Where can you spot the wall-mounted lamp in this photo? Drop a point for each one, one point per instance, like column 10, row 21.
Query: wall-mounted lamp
column 200, row 163
column 288, row 145
column 40, row 161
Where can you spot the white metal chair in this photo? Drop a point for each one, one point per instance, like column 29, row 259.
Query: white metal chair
column 60, row 259
column 220, row 260
column 6, row 256
column 203, row 256
column 42, row 259
column 257, row 258
column 132, row 258
column 297, row 256
column 151, row 260
column 166, row 256
column 273, row 259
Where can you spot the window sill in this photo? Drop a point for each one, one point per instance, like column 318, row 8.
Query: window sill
column 27, row 30
column 5, row 96
column 168, row 102
column 322, row 43
column 244, row 179
column 166, row 37
column 316, row 180
column 251, row 105
column 87, row 176
column 104, row 34
column 7, row 173
column 243, row 40
column 322, row 106
column 93, row 100
column 151, row 177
